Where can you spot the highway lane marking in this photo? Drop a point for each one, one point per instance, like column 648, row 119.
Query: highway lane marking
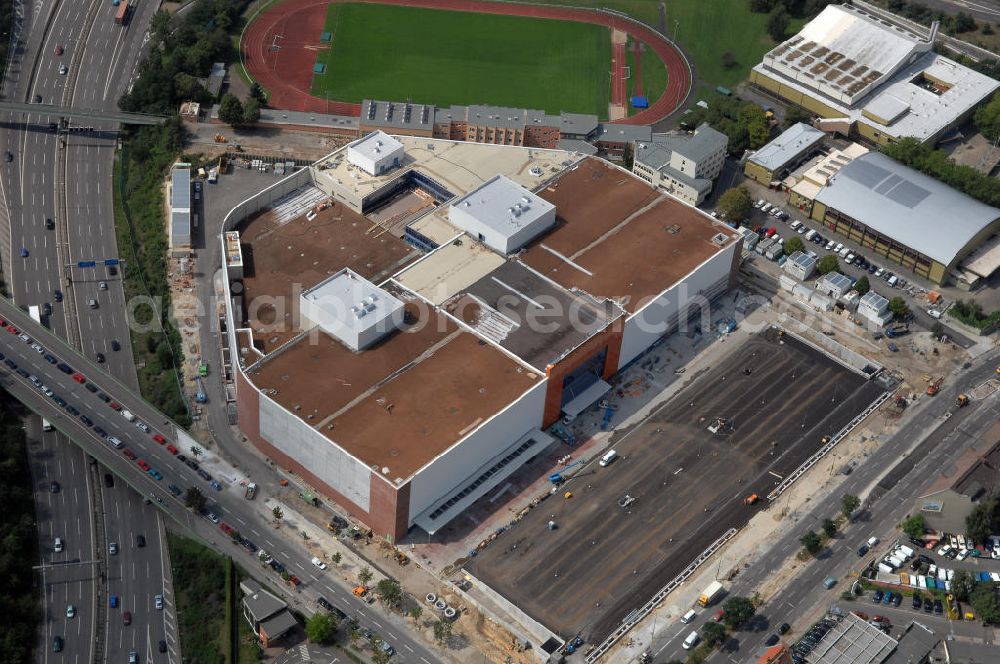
column 391, row 635
column 377, row 624
column 424, row 660
column 408, row 648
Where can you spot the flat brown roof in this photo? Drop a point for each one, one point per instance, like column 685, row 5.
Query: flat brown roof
column 282, row 258
column 401, row 402
column 426, row 409
column 617, row 237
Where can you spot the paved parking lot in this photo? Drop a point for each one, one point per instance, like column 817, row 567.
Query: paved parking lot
column 562, row 563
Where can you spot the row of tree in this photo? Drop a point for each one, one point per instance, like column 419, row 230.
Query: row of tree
column 937, row 164
column 812, row 541
column 743, row 122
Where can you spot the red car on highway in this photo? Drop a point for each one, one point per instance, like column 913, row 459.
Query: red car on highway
column 114, row 404
column 172, row 449
column 129, row 454
column 142, row 464
column 226, row 528
column 79, row 377
column 158, row 438
column 59, row 49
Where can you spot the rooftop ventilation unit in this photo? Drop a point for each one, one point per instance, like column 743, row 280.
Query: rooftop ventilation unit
column 719, row 239
column 423, row 115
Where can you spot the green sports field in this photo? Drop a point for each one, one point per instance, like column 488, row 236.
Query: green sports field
column 444, row 57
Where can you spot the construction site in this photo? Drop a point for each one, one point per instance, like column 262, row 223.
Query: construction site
column 700, row 465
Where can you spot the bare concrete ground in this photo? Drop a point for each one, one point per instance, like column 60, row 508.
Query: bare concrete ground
column 603, row 560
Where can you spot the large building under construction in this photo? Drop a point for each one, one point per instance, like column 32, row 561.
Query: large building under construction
column 408, row 316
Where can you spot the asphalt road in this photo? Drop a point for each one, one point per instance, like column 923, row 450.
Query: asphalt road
column 71, row 184
column 65, row 514
column 948, row 436
column 251, row 517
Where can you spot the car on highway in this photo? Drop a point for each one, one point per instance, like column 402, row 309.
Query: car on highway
column 162, row 646
column 8, row 157
column 57, row 545
column 63, row 69
column 100, row 432
column 386, row 648
column 114, row 405
column 113, row 548
column 142, row 426
column 79, row 377
column 59, row 49
column 51, row 359
column 140, row 541
column 99, row 357
column 142, row 464
column 318, row 563
column 24, row 252
column 158, row 602
column 115, row 346
column 176, row 490
column 57, row 295
column 204, row 475
column 72, row 410
column 109, row 480
column 57, row 644
column 54, row 487
column 160, row 439
column 70, row 611
column 86, row 420
column 324, row 603
column 90, row 387
column 215, row 485
column 126, row 618
column 155, row 474
column 133, row 657
column 213, row 517
column 226, row 528
column 172, row 449
column 38, row 99
column 276, row 566
column 103, row 285
column 92, row 303
column 113, row 601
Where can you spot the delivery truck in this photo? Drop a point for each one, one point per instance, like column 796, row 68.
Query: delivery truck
column 711, row 593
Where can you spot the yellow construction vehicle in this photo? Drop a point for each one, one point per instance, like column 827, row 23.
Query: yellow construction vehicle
column 219, row 138
column 962, row 400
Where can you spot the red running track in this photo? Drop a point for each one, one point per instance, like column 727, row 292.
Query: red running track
column 287, row 72
column 619, row 84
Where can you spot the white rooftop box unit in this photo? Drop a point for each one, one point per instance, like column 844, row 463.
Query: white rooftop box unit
column 350, row 309
column 376, row 153
column 502, row 214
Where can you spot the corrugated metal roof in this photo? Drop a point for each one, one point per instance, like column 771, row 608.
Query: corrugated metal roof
column 180, row 192
column 907, row 206
column 794, row 141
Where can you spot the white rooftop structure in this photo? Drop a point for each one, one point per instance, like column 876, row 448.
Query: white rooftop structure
column 351, row 309
column 882, row 75
column 844, row 53
column 502, row 214
column 793, row 142
column 180, row 208
column 913, row 209
column 376, row 153
column 833, row 284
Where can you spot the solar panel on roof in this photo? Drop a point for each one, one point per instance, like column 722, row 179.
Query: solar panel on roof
column 866, row 173
column 908, row 194
column 888, row 184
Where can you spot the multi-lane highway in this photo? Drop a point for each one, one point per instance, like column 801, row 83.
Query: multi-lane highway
column 57, row 198
column 251, row 518
column 945, row 438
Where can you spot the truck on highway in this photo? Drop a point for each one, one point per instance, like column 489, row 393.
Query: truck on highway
column 711, row 593
column 121, row 15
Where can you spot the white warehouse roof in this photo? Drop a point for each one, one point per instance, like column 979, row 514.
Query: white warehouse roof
column 374, row 146
column 350, row 308
column 915, row 210
column 792, row 142
column 504, row 208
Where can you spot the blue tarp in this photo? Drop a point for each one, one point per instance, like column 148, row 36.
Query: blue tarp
column 640, row 102
column 319, row 68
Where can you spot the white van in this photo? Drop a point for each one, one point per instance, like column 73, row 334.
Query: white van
column 810, row 234
column 691, row 641
column 689, row 616
column 57, row 546
column 115, row 443
column 795, row 224
column 843, row 252
column 46, row 425
column 893, row 279
column 608, row 457
column 128, row 415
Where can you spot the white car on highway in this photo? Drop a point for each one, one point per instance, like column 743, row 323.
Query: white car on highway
column 318, row 563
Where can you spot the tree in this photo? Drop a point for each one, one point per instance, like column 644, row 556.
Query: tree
column 964, row 22
column 159, row 25
column 794, row 115
column 794, row 244
column 983, row 599
column 937, row 329
column 915, row 526
column 735, row 204
column 982, row 521
column 862, row 285
column 196, row 451
column 195, row 499
column 389, row 592
column 380, row 656
column 737, row 611
column 829, row 527
column 336, row 558
column 849, row 503
column 762, row 6
column 416, row 612
column 962, row 585
column 897, row 306
column 728, row 60
column 442, row 631
column 251, row 111
column 827, row 264
column 777, row 23
column 321, row 628
column 278, row 514
column 986, row 29
column 257, row 92
column 713, row 633
column 811, row 542
column 365, row 575
column 987, row 118
column 231, row 110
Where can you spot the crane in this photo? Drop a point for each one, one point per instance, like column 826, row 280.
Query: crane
column 557, row 478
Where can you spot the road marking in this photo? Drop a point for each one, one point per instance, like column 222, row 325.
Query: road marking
column 408, row 648
column 377, row 624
